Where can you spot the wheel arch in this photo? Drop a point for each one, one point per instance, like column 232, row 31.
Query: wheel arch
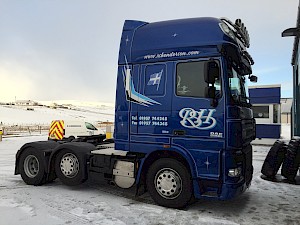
column 45, row 146
column 80, row 147
column 175, row 153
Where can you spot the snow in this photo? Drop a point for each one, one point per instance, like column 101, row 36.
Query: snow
column 264, row 203
column 19, row 115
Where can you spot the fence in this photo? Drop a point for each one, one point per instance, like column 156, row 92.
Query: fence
column 29, row 129
column 24, row 129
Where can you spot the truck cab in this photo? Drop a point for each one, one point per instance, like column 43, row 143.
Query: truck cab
column 182, row 93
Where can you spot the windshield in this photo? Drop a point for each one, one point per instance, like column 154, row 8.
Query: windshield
column 238, row 87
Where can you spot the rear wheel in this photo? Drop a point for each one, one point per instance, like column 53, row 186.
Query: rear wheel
column 32, row 167
column 169, row 183
column 70, row 167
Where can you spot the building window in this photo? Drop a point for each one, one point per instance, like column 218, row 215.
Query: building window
column 260, row 111
column 276, row 113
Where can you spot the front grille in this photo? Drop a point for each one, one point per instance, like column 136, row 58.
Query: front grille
column 248, row 127
column 248, row 170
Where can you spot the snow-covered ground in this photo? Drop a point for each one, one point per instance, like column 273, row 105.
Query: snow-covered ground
column 19, row 115
column 264, row 203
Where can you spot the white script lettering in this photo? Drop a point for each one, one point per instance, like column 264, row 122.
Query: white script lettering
column 202, row 119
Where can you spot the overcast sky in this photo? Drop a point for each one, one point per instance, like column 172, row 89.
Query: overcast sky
column 68, row 49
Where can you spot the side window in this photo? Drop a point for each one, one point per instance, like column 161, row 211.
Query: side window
column 90, row 126
column 190, row 79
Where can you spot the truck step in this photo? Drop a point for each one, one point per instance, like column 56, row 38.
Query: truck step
column 109, row 151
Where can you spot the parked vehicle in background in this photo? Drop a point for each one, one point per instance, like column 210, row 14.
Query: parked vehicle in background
column 67, row 129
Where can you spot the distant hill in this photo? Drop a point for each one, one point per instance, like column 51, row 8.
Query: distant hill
column 23, row 115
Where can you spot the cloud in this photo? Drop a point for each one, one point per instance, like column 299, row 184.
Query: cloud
column 58, row 50
column 13, row 85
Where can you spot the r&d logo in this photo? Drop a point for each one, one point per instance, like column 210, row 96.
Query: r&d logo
column 202, row 119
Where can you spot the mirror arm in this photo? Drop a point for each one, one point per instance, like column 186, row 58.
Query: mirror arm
column 214, row 102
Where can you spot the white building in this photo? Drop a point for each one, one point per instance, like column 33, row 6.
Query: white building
column 26, row 103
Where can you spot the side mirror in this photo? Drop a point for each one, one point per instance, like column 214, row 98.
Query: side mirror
column 212, row 72
column 253, row 78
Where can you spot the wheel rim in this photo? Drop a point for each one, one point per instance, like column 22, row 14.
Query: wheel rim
column 168, row 183
column 31, row 166
column 69, row 165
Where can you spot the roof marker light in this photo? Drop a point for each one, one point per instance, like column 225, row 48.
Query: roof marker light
column 226, row 30
column 238, row 29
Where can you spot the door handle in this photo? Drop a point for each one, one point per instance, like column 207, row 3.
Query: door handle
column 179, row 132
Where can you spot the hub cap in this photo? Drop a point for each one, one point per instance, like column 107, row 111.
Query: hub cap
column 31, row 166
column 168, row 183
column 69, row 165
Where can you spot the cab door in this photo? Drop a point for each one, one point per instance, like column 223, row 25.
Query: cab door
column 151, row 123
column 198, row 121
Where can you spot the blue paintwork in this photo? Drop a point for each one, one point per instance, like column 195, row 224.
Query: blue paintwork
column 269, row 95
column 146, row 39
column 149, row 114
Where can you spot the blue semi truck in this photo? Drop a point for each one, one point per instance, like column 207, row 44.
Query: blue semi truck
column 183, row 122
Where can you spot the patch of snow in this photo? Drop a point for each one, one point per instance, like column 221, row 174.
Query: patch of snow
column 97, row 215
column 264, row 203
column 11, row 203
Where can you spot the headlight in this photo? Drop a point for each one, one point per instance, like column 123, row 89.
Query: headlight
column 236, row 172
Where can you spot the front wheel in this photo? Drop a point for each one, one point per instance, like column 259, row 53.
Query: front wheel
column 70, row 167
column 169, row 183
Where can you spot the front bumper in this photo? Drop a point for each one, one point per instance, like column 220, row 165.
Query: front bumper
column 228, row 188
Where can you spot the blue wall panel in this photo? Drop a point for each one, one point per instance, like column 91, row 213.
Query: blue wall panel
column 269, row 95
column 268, row 131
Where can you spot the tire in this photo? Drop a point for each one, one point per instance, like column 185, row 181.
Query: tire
column 32, row 167
column 169, row 183
column 70, row 167
column 274, row 159
column 291, row 161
